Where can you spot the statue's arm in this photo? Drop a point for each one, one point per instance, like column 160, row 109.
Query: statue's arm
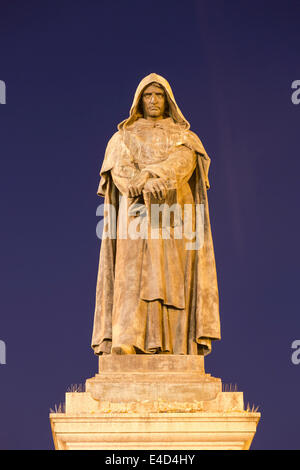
column 122, row 177
column 177, row 168
column 119, row 163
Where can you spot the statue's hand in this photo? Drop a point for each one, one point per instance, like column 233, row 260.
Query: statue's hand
column 137, row 184
column 157, row 187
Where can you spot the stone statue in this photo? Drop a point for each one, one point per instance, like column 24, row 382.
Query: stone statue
column 157, row 306
column 157, row 287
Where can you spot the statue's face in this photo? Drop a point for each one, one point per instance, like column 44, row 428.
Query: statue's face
column 154, row 102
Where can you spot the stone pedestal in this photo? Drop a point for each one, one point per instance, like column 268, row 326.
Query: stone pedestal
column 153, row 402
column 136, row 378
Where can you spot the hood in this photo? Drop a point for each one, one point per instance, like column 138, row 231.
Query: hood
column 174, row 111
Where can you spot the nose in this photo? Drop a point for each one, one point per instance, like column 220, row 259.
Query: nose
column 153, row 99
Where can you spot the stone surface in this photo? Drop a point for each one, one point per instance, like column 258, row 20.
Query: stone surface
column 151, row 363
column 78, row 404
column 117, row 431
column 153, row 402
column 129, row 378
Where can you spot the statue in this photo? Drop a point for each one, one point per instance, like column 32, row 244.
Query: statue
column 156, row 294
column 157, row 306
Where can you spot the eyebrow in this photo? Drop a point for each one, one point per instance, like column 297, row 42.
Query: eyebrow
column 156, row 92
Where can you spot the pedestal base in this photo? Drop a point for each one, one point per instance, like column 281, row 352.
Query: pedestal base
column 153, row 402
column 153, row 431
column 136, row 378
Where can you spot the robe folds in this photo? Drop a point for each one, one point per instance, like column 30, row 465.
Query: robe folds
column 156, row 293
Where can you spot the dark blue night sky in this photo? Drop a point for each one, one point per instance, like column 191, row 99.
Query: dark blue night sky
column 71, row 69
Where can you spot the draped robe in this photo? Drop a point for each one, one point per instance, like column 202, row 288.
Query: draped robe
column 154, row 295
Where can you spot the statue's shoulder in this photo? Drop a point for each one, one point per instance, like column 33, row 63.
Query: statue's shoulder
column 116, row 143
column 111, row 152
column 114, row 140
column 193, row 141
column 116, row 150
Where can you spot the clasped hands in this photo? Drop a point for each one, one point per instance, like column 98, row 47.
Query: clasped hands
column 144, row 181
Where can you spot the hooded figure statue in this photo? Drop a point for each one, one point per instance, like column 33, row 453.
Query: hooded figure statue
column 156, row 294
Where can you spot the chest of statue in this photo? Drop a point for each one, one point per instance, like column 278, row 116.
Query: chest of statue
column 150, row 142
